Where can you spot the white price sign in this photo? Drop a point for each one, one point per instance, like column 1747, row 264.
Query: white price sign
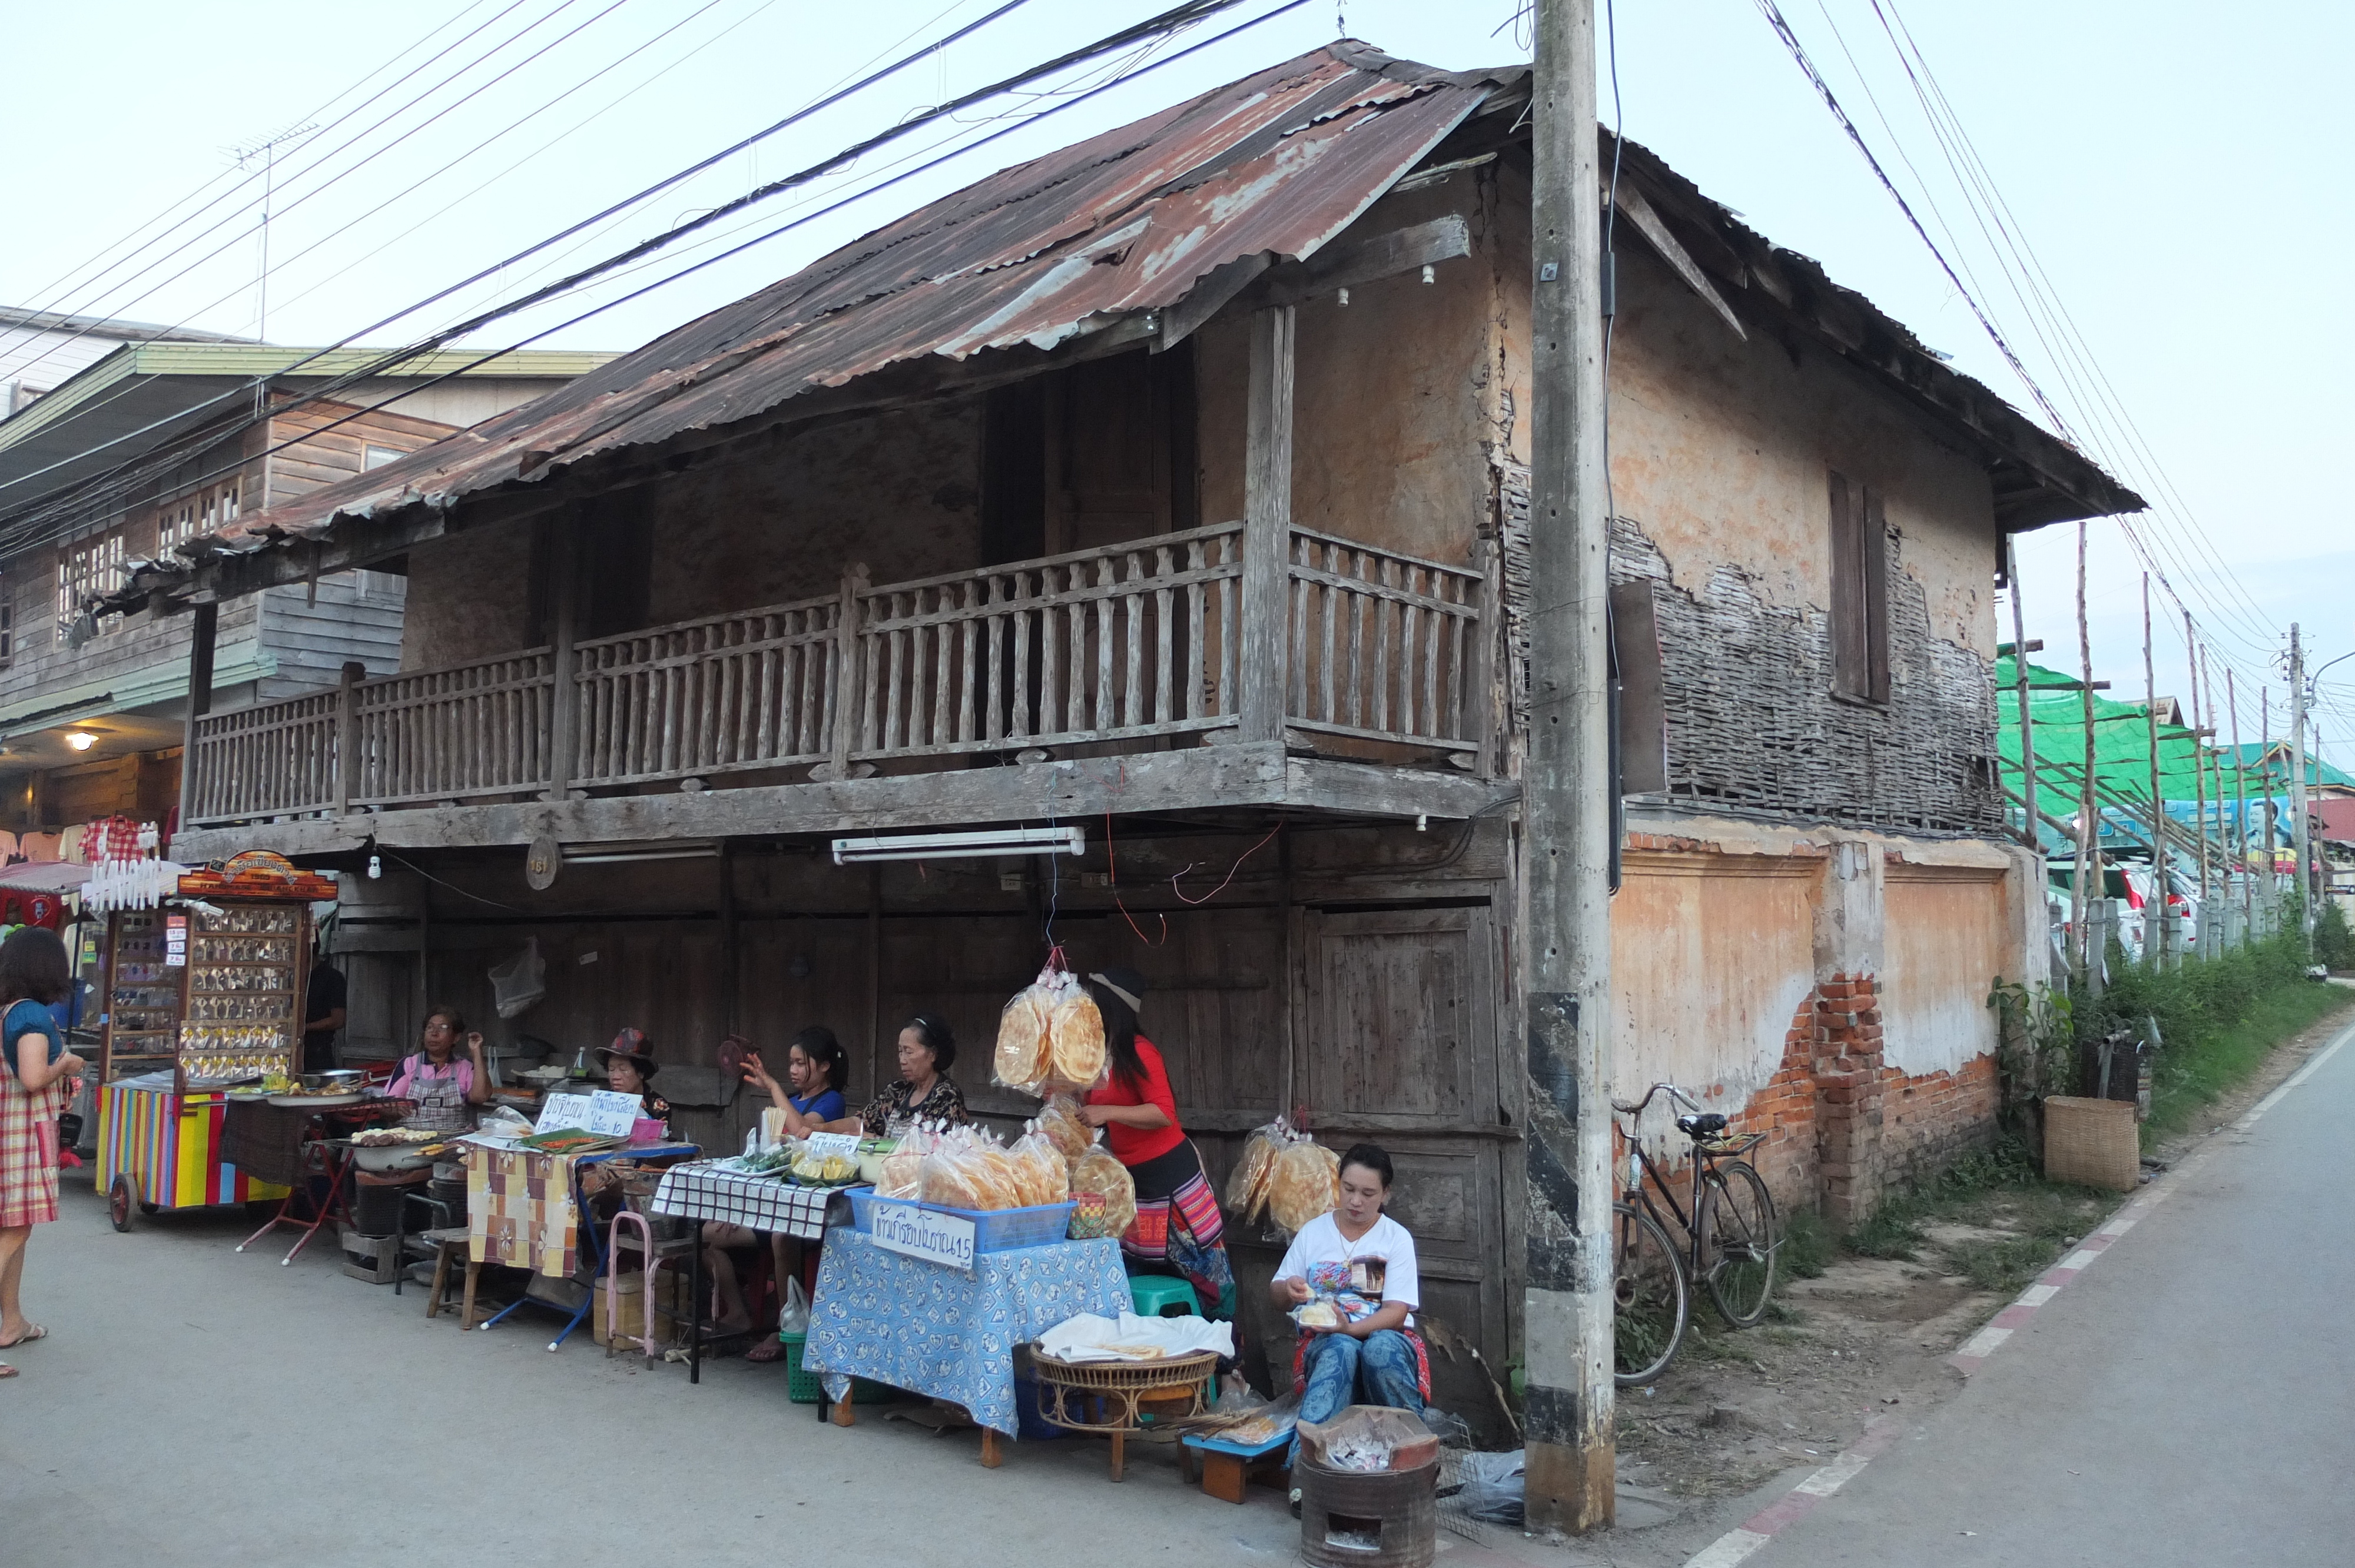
column 826, row 1145
column 925, row 1233
column 602, row 1112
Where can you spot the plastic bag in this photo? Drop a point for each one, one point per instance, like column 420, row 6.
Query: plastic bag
column 1492, row 1487
column 1370, row 1437
column 1039, row 1176
column 1024, row 1056
column 1097, row 1171
column 1065, row 1128
column 794, row 1317
column 1077, row 1045
column 1303, row 1181
column 902, row 1175
column 1247, row 1183
column 518, row 985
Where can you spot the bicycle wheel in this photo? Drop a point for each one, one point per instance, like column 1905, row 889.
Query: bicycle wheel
column 1649, row 1296
column 1740, row 1238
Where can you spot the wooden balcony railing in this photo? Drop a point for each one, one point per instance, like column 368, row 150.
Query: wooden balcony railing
column 1302, row 635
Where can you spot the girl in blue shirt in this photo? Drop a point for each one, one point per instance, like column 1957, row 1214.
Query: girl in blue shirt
column 817, row 1068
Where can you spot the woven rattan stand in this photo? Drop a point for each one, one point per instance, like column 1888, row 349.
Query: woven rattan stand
column 1109, row 1397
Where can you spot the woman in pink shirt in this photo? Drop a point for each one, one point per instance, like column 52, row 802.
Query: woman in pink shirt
column 446, row 1086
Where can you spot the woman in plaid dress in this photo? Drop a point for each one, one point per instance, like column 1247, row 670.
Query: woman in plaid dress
column 37, row 1078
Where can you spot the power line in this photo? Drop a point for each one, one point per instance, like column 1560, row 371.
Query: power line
column 560, row 6
column 1774, row 16
column 57, row 287
column 21, row 534
column 387, row 362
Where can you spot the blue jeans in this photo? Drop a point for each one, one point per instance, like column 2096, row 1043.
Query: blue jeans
column 1339, row 1371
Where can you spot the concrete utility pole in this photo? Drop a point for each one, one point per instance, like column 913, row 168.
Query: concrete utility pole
column 2300, row 833
column 1569, row 1470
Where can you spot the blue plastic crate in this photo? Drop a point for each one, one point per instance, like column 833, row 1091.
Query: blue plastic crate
column 993, row 1230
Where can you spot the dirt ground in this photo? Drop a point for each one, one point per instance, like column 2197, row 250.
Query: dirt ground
column 1868, row 1334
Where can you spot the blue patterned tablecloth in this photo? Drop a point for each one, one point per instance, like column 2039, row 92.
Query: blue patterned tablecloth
column 934, row 1332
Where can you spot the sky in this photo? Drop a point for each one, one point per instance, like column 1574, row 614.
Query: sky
column 2153, row 166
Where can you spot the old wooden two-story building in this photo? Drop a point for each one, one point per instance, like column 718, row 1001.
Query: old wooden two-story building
column 154, row 437
column 1173, row 487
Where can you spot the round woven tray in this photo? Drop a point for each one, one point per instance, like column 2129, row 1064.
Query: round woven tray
column 1104, row 1396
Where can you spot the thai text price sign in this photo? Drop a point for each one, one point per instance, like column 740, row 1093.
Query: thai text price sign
column 924, row 1233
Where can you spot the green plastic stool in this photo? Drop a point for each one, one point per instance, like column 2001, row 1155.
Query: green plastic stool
column 1161, row 1295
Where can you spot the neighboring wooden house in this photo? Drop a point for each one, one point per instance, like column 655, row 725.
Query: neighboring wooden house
column 1174, row 486
column 144, row 447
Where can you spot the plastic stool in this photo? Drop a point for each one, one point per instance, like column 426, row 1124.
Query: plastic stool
column 1161, row 1295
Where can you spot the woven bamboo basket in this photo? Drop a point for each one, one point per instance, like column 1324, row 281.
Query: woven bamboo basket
column 2092, row 1143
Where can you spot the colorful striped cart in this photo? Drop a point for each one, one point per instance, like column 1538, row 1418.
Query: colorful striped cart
column 159, row 1150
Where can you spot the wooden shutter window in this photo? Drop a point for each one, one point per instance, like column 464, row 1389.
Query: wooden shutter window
column 1859, row 541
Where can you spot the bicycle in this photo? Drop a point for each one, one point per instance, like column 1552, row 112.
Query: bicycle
column 1732, row 1238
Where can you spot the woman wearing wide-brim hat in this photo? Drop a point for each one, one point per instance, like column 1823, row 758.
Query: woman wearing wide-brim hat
column 630, row 1066
column 1178, row 1229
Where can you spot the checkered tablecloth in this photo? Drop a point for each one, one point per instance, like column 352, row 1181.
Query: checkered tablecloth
column 701, row 1191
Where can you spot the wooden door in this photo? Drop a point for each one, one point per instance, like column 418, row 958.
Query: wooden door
column 1399, row 1034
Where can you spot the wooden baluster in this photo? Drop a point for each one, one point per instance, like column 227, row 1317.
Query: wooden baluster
column 1198, row 632
column 1161, row 706
column 1329, row 708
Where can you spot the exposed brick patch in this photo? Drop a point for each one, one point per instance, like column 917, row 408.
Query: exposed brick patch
column 1838, row 1126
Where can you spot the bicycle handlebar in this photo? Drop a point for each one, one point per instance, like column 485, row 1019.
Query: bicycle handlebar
column 1676, row 1094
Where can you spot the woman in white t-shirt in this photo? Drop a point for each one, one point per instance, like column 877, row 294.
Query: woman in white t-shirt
column 1349, row 1281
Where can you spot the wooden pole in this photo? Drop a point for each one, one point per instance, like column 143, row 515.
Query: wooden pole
column 2199, row 765
column 2265, row 777
column 2239, row 802
column 2082, row 892
column 2209, row 758
column 2157, row 802
column 1566, row 807
column 2300, row 830
column 203, row 629
column 2030, row 815
column 1267, row 527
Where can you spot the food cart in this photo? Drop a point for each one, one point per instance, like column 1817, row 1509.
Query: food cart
column 203, row 999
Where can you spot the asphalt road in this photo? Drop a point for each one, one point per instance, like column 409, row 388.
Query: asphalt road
column 195, row 1406
column 2186, row 1400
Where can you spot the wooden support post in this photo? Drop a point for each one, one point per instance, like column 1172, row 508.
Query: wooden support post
column 204, row 629
column 2240, row 805
column 2082, row 895
column 848, row 704
column 2158, row 800
column 347, row 735
column 2027, row 724
column 1267, row 527
column 2301, row 831
column 2198, row 763
column 564, row 706
column 1567, row 809
column 2208, row 758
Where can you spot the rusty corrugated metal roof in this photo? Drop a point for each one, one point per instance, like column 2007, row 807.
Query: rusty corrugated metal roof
column 1125, row 222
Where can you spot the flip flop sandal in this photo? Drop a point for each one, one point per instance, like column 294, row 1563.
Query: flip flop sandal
column 6, row 1371
column 769, row 1350
column 27, row 1337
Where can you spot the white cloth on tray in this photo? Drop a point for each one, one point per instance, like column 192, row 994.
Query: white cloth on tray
column 1089, row 1337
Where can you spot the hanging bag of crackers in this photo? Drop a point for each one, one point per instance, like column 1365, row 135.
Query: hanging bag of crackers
column 1050, row 1034
column 1304, row 1181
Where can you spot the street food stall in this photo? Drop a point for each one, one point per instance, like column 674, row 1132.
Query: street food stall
column 203, row 1007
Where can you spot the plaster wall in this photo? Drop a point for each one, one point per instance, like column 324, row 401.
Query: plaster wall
column 1945, row 946
column 1391, row 398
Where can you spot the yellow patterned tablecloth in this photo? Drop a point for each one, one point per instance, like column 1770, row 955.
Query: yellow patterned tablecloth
column 519, row 1209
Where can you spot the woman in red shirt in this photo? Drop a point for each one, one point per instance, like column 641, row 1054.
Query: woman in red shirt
column 1178, row 1229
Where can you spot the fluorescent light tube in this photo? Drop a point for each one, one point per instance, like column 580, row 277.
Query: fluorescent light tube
column 955, row 846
